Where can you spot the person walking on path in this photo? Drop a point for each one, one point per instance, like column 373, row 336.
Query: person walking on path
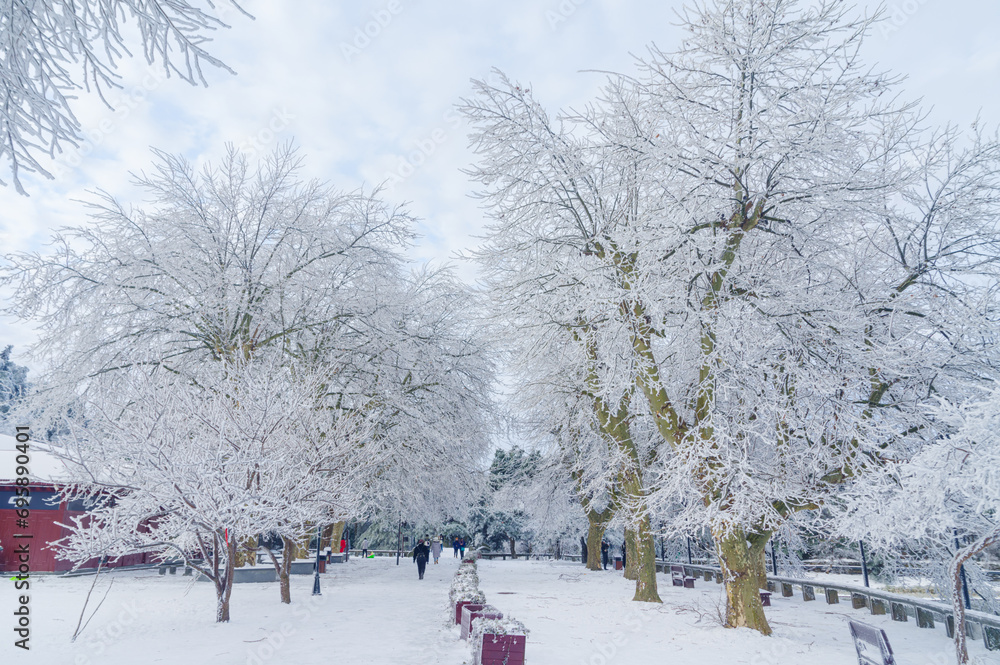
column 624, row 551
column 454, row 544
column 420, row 555
column 364, row 548
column 604, row 553
column 461, row 548
column 583, row 550
column 436, row 548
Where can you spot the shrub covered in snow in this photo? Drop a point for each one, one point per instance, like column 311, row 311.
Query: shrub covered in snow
column 465, row 586
column 506, row 626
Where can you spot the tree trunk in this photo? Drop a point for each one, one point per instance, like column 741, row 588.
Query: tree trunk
column 955, row 572
column 326, row 537
column 513, row 552
column 595, row 533
column 288, row 554
column 743, row 606
column 285, row 592
column 645, row 558
column 224, row 583
column 336, row 532
column 758, row 557
column 958, row 609
column 631, row 563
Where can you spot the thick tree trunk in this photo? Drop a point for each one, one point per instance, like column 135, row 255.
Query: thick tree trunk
column 631, row 560
column 632, row 498
column 336, row 534
column 758, row 558
column 595, row 533
column 513, row 551
column 743, row 606
column 645, row 557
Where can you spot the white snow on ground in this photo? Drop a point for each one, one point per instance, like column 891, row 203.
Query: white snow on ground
column 581, row 617
column 371, row 612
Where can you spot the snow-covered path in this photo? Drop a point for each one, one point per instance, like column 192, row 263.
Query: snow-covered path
column 581, row 617
column 375, row 613
column 371, row 612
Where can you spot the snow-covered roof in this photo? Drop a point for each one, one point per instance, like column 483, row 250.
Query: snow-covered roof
column 43, row 465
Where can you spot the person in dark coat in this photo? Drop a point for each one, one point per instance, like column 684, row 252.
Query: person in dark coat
column 583, row 550
column 605, row 548
column 420, row 554
column 454, row 544
column 624, row 552
column 461, row 548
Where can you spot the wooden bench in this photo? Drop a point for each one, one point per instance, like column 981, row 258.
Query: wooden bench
column 678, row 577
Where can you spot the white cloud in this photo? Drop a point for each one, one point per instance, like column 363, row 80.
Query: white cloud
column 357, row 118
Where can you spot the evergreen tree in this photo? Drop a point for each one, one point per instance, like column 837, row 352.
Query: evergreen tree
column 13, row 382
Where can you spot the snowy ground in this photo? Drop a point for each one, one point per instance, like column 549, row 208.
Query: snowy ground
column 372, row 612
column 581, row 617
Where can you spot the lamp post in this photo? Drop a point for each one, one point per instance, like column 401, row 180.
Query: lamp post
column 774, row 556
column 689, row 550
column 864, row 561
column 399, row 538
column 319, row 541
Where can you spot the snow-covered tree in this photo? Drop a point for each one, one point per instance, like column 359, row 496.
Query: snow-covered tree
column 242, row 262
column 501, row 517
column 13, row 383
column 428, row 370
column 52, row 48
column 190, row 466
column 947, row 498
column 743, row 238
column 239, row 258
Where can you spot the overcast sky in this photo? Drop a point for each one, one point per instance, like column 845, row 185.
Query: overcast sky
column 363, row 109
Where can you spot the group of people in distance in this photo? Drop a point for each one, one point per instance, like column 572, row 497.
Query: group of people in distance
column 427, row 548
column 605, row 551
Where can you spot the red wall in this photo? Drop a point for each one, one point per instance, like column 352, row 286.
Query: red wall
column 43, row 526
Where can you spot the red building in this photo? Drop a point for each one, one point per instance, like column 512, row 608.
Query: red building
column 47, row 513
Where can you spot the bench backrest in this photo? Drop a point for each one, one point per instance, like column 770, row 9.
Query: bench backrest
column 677, row 571
column 871, row 644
